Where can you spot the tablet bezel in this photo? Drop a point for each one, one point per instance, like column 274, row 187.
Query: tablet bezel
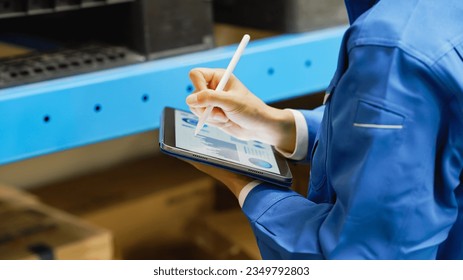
column 167, row 144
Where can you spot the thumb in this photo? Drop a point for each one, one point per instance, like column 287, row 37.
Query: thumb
column 205, row 98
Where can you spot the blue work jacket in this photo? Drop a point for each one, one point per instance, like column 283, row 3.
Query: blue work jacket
column 387, row 151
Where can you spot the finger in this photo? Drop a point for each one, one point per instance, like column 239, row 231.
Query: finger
column 204, row 78
column 198, row 80
column 194, row 164
column 213, row 123
column 205, row 98
column 197, row 111
column 218, row 115
column 192, row 100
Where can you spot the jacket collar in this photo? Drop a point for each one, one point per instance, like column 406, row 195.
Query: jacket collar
column 356, row 8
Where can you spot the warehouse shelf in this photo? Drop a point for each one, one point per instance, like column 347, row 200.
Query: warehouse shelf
column 55, row 115
column 19, row 8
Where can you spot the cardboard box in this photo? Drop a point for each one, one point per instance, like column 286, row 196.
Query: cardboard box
column 226, row 236
column 226, row 34
column 146, row 204
column 31, row 230
column 14, row 195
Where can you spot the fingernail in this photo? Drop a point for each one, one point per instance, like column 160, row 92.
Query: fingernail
column 192, row 99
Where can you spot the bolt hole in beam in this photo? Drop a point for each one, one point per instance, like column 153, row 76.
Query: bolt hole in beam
column 271, row 71
column 189, row 89
column 46, row 118
column 145, row 98
column 97, row 108
column 308, row 63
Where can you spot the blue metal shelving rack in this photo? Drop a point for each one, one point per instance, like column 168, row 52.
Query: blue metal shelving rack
column 55, row 115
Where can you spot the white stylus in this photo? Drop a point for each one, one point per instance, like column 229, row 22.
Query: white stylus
column 224, row 80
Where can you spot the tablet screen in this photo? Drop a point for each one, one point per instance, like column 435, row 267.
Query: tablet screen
column 213, row 142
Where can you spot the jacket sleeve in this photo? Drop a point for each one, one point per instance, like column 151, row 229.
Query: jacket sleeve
column 305, row 133
column 372, row 193
column 313, row 119
column 285, row 224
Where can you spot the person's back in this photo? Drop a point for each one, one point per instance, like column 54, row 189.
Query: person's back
column 403, row 73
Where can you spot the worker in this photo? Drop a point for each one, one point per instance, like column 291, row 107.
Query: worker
column 386, row 150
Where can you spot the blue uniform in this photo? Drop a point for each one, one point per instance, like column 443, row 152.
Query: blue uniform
column 387, row 151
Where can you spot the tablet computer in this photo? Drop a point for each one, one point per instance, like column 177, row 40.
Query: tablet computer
column 215, row 147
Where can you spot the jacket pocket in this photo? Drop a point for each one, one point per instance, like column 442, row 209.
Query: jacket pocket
column 374, row 116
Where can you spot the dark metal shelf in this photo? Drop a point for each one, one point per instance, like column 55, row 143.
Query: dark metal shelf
column 19, row 8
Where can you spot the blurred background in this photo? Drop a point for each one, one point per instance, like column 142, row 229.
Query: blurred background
column 88, row 190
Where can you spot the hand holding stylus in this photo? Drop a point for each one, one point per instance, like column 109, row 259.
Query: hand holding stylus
column 237, row 111
column 226, row 76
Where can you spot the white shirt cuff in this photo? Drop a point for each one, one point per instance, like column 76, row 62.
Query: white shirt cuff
column 302, row 138
column 245, row 191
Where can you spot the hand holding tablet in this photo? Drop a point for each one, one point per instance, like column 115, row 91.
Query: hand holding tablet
column 217, row 148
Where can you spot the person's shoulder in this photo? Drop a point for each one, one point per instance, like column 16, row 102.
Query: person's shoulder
column 426, row 29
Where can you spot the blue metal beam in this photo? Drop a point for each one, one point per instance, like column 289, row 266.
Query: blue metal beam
column 55, row 115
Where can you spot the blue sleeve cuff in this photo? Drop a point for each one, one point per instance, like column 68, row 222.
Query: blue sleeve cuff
column 262, row 197
column 313, row 119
